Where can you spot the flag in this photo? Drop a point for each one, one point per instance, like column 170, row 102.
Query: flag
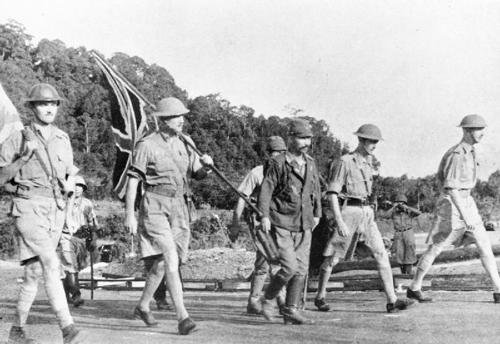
column 9, row 117
column 128, row 122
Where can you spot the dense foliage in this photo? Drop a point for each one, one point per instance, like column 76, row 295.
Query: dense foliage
column 233, row 135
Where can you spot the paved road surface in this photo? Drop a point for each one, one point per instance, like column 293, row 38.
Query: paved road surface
column 455, row 317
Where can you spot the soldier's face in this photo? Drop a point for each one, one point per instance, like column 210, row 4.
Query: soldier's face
column 78, row 191
column 46, row 112
column 301, row 144
column 174, row 123
column 476, row 134
column 369, row 145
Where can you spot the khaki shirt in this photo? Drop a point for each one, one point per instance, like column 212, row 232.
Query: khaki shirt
column 250, row 186
column 351, row 176
column 161, row 159
column 57, row 156
column 458, row 167
column 82, row 214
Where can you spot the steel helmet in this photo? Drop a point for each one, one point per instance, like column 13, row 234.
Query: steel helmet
column 80, row 181
column 43, row 93
column 401, row 198
column 472, row 121
column 276, row 144
column 369, row 131
column 170, row 107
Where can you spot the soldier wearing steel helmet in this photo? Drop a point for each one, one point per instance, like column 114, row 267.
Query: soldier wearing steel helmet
column 75, row 241
column 250, row 186
column 350, row 193
column 37, row 167
column 403, row 246
column 457, row 218
column 164, row 163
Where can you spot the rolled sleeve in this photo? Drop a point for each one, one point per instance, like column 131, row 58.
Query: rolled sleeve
column 451, row 172
column 337, row 176
column 271, row 178
column 249, row 183
column 9, row 149
column 139, row 162
column 195, row 164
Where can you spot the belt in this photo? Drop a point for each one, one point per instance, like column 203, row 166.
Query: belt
column 164, row 190
column 26, row 191
column 355, row 202
column 403, row 230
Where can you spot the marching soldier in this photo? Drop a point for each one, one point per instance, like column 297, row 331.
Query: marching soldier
column 290, row 197
column 37, row 165
column 78, row 237
column 457, row 217
column 404, row 236
column 350, row 192
column 250, row 186
column 164, row 163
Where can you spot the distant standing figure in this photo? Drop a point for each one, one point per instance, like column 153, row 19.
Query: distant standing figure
column 403, row 245
column 73, row 248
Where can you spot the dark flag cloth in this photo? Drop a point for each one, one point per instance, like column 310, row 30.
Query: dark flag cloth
column 9, row 118
column 128, row 122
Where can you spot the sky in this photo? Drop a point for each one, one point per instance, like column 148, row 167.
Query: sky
column 413, row 68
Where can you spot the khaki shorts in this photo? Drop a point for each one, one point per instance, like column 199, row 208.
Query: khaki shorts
column 404, row 247
column 449, row 223
column 360, row 220
column 39, row 225
column 163, row 221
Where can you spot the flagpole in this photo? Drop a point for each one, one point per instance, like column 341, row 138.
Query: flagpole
column 126, row 82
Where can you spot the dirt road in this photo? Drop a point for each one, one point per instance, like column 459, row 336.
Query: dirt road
column 455, row 317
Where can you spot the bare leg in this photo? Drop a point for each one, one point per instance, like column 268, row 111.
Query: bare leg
column 487, row 257
column 54, row 288
column 153, row 280
column 27, row 293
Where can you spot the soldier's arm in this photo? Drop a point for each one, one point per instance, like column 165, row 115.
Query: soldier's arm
column 8, row 172
column 413, row 211
column 10, row 160
column 271, row 179
column 317, row 199
column 130, row 219
column 337, row 180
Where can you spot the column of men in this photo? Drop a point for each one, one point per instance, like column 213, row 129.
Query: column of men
column 37, row 166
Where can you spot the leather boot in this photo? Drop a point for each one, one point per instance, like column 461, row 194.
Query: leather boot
column 256, row 287
column 291, row 314
column 18, row 336
column 273, row 289
column 320, row 303
column 76, row 294
column 66, row 289
column 409, row 269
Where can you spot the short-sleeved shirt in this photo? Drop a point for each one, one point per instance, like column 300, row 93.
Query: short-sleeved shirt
column 82, row 214
column 161, row 159
column 351, row 176
column 250, row 186
column 458, row 167
column 57, row 157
